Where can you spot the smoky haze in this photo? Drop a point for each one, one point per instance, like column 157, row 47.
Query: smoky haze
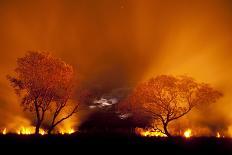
column 117, row 43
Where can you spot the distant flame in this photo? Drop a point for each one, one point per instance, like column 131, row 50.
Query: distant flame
column 188, row 133
column 4, row 131
column 149, row 132
column 66, row 131
column 218, row 135
column 25, row 131
column 31, row 130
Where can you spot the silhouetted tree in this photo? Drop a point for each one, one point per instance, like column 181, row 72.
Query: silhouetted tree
column 45, row 84
column 166, row 98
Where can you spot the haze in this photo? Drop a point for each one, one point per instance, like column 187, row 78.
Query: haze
column 117, row 43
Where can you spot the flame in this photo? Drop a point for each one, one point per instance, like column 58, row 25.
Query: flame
column 42, row 132
column 29, row 130
column 149, row 132
column 66, row 131
column 4, row 131
column 218, row 135
column 188, row 133
column 25, row 131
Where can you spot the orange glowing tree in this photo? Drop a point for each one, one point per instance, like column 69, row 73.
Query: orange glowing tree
column 165, row 98
column 45, row 84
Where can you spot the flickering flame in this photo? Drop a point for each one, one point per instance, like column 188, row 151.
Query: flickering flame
column 4, row 131
column 218, row 135
column 188, row 133
column 149, row 132
column 42, row 132
column 29, row 130
column 66, row 131
column 25, row 131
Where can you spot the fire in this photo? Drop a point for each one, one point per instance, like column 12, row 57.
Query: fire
column 67, row 131
column 188, row 133
column 29, row 130
column 149, row 132
column 42, row 132
column 25, row 131
column 4, row 131
column 218, row 135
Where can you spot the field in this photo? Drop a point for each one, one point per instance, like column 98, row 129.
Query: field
column 118, row 143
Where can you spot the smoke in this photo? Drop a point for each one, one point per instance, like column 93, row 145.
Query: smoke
column 116, row 44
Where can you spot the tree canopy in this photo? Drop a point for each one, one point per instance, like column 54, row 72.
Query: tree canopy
column 165, row 98
column 45, row 84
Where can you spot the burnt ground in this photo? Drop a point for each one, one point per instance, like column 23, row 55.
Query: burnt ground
column 115, row 143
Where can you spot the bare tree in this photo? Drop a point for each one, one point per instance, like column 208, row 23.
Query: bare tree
column 167, row 98
column 45, row 83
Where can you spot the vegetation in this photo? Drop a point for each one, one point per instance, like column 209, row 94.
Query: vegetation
column 45, row 84
column 165, row 98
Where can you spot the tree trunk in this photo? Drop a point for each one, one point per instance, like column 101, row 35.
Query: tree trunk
column 166, row 130
column 38, row 123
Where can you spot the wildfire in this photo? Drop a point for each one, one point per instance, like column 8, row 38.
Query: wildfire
column 42, row 132
column 149, row 132
column 218, row 135
column 67, row 131
column 31, row 130
column 25, row 131
column 4, row 131
column 188, row 133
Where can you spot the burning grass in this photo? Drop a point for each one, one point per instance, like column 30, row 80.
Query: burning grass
column 149, row 132
column 31, row 130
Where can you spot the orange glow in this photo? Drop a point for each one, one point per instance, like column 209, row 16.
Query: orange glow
column 188, row 133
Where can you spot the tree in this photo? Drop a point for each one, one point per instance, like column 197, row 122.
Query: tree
column 45, row 84
column 166, row 98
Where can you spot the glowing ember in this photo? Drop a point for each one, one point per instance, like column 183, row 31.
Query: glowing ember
column 188, row 133
column 4, row 131
column 218, row 135
column 149, row 132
